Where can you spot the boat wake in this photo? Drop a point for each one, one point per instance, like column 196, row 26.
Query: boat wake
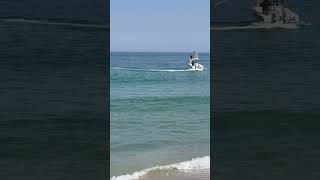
column 65, row 24
column 196, row 164
column 305, row 23
column 256, row 26
column 153, row 70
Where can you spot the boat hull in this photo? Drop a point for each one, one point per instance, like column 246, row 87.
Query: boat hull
column 277, row 15
column 197, row 67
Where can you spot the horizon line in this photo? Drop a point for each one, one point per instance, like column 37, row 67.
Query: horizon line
column 157, row 51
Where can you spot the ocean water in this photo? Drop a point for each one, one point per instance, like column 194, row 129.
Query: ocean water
column 160, row 113
column 266, row 98
column 53, row 118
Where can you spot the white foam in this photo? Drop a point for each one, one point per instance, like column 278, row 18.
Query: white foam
column 194, row 164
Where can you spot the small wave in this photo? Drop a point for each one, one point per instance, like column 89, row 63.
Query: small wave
column 43, row 22
column 256, row 26
column 195, row 164
column 305, row 23
column 221, row 2
column 153, row 70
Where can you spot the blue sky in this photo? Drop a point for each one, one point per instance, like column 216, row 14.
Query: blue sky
column 160, row 25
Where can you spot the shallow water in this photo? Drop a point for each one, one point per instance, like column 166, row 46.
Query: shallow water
column 157, row 117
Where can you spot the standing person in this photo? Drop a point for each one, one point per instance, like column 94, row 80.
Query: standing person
column 195, row 58
column 194, row 55
column 191, row 62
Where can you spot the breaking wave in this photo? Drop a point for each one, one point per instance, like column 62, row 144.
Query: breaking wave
column 192, row 165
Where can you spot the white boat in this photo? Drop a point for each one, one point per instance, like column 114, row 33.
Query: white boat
column 194, row 62
column 275, row 13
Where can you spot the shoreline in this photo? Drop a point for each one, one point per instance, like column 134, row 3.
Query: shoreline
column 197, row 168
column 203, row 174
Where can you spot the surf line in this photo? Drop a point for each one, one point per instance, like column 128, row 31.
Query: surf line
column 200, row 163
column 40, row 22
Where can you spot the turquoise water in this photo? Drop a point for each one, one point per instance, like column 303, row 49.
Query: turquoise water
column 157, row 117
